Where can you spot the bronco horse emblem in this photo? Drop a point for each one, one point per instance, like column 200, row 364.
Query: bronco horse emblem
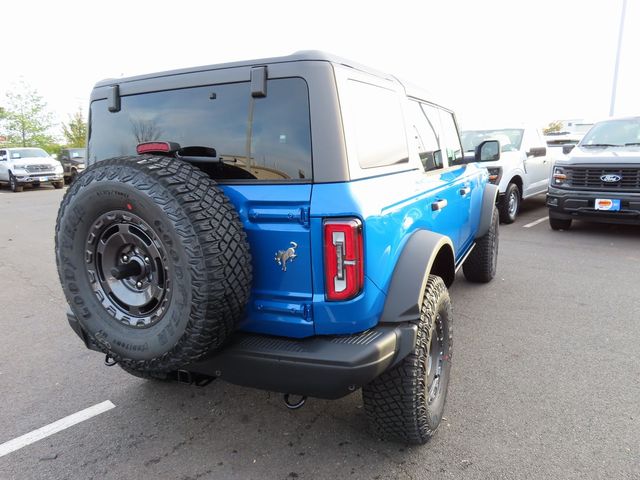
column 283, row 256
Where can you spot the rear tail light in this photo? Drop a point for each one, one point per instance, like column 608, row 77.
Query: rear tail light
column 343, row 258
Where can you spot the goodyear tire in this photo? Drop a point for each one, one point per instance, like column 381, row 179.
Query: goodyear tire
column 153, row 261
column 481, row 265
column 406, row 403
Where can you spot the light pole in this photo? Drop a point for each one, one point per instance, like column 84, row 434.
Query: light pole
column 615, row 69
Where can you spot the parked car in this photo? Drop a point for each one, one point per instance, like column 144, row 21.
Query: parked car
column 73, row 162
column 290, row 224
column 523, row 169
column 560, row 143
column 29, row 166
column 599, row 180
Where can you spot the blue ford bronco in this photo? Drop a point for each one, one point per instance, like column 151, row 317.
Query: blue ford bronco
column 290, row 224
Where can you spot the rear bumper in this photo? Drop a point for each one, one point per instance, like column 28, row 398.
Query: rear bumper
column 321, row 366
column 580, row 205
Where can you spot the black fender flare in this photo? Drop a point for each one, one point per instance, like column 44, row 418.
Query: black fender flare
column 425, row 252
column 489, row 199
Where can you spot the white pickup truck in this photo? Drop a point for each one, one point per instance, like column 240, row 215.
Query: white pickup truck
column 523, row 167
column 29, row 166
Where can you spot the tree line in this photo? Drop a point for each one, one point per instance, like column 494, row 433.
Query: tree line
column 25, row 121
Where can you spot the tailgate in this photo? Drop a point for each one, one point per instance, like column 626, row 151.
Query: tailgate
column 276, row 219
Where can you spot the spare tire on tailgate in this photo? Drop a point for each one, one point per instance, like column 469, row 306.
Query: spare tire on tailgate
column 153, row 261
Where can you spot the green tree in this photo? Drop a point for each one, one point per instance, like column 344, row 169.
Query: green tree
column 75, row 132
column 26, row 121
column 555, row 126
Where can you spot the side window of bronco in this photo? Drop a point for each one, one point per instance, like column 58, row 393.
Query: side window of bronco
column 425, row 131
column 451, row 137
column 378, row 125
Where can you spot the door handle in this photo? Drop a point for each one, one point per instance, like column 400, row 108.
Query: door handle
column 438, row 205
column 464, row 191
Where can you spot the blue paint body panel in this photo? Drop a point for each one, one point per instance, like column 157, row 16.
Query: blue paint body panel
column 274, row 216
column 292, row 302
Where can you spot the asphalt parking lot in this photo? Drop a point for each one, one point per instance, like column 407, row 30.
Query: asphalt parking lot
column 545, row 380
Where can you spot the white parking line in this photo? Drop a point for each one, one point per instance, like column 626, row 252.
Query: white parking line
column 55, row 427
column 533, row 224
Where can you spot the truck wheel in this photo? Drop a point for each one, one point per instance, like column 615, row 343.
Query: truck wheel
column 153, row 261
column 480, row 266
column 58, row 185
column 13, row 183
column 559, row 223
column 406, row 403
column 509, row 205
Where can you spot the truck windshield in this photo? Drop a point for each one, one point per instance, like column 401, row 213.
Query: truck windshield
column 77, row 153
column 613, row 133
column 28, row 153
column 510, row 138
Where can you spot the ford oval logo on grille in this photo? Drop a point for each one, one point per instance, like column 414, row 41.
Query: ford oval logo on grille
column 610, row 178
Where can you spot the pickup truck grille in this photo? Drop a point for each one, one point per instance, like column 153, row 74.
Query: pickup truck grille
column 590, row 177
column 38, row 168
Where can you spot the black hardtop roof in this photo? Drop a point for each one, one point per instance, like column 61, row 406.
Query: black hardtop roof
column 304, row 55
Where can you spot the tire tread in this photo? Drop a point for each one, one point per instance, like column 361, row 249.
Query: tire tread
column 211, row 232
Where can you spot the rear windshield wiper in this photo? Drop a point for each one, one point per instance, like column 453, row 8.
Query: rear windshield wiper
column 631, row 144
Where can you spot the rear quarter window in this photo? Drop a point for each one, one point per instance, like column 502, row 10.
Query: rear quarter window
column 216, row 116
column 377, row 123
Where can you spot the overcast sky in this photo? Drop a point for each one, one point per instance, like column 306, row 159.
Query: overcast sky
column 492, row 61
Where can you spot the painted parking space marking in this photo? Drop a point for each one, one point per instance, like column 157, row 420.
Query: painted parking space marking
column 55, row 427
column 533, row 224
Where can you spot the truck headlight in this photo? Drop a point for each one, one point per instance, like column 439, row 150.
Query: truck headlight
column 559, row 176
column 58, row 168
column 19, row 167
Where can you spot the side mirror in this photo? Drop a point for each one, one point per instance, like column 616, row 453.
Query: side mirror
column 566, row 149
column 537, row 152
column 488, row 151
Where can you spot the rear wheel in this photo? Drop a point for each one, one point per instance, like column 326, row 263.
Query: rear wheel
column 406, row 403
column 509, row 205
column 480, row 266
column 153, row 261
column 559, row 223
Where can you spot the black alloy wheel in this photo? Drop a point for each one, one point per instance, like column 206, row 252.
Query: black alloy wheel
column 435, row 363
column 126, row 258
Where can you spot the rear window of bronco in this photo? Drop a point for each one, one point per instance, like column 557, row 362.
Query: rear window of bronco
column 269, row 140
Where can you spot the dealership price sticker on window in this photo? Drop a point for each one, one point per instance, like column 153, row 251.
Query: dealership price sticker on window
column 607, row 204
